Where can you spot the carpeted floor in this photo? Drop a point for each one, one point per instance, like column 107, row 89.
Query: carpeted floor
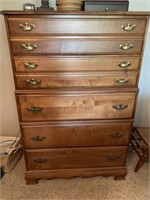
column 135, row 187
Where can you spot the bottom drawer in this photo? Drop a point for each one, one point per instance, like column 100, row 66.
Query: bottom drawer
column 75, row 158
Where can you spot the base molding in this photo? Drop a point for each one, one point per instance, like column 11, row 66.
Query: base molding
column 32, row 177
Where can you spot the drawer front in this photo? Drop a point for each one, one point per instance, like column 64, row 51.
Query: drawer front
column 76, row 63
column 76, row 134
column 70, row 80
column 76, row 26
column 75, row 158
column 72, row 106
column 73, row 45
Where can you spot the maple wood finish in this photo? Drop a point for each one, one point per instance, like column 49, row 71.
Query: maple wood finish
column 77, row 45
column 63, row 158
column 67, row 80
column 54, row 134
column 76, row 63
column 83, row 26
column 65, row 107
column 76, row 76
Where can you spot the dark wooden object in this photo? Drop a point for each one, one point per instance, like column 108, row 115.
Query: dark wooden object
column 76, row 76
column 105, row 5
column 45, row 5
column 140, row 143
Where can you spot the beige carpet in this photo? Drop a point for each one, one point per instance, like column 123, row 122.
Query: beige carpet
column 135, row 187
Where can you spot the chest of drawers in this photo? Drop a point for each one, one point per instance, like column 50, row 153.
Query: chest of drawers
column 76, row 77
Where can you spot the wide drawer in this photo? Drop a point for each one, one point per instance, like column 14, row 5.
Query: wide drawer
column 76, row 106
column 83, row 80
column 76, row 134
column 98, row 25
column 76, row 63
column 64, row 158
column 76, row 45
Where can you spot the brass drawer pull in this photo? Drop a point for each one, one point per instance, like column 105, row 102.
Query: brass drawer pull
column 33, row 82
column 113, row 157
column 38, row 138
column 128, row 27
column 117, row 135
column 120, row 107
column 122, row 80
column 30, row 65
column 34, row 109
column 126, row 47
column 40, row 161
column 26, row 26
column 29, row 47
column 124, row 64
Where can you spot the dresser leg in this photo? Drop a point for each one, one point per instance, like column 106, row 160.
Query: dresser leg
column 31, row 182
column 120, row 177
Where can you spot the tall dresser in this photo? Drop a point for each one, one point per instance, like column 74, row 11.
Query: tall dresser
column 76, row 76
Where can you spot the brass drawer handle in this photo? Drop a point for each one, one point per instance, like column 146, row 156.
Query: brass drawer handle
column 38, row 138
column 112, row 157
column 126, row 47
column 128, row 27
column 33, row 82
column 120, row 107
column 26, row 26
column 40, row 161
column 29, row 47
column 30, row 65
column 34, row 109
column 117, row 135
column 122, row 80
column 124, row 64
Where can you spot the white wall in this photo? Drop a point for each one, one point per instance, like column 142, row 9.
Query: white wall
column 142, row 116
column 8, row 112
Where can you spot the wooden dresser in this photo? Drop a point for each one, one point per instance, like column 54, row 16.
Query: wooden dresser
column 76, row 77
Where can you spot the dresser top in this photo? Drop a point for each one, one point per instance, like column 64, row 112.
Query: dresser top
column 113, row 13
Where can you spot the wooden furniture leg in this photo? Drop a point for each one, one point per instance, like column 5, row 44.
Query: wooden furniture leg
column 140, row 143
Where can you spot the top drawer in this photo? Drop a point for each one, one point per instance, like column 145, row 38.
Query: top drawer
column 72, row 26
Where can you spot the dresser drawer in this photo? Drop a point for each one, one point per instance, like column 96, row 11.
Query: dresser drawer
column 76, row 134
column 97, row 25
column 75, row 158
column 70, row 80
column 76, row 63
column 76, row 106
column 76, row 45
